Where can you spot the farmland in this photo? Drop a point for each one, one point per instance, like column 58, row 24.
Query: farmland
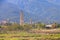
column 29, row 32
column 23, row 35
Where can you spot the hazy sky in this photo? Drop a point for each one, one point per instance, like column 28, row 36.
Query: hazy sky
column 57, row 2
column 32, row 5
column 38, row 8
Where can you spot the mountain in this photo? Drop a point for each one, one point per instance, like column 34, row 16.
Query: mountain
column 8, row 10
column 37, row 10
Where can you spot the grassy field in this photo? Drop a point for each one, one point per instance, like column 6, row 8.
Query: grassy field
column 29, row 36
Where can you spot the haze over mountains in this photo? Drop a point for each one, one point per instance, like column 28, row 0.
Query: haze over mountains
column 38, row 10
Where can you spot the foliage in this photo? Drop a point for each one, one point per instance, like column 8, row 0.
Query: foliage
column 40, row 25
column 58, row 25
column 27, row 27
column 16, row 27
column 0, row 26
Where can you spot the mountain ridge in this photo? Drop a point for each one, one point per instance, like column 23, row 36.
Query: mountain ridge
column 44, row 12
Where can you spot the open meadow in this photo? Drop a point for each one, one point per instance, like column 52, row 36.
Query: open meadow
column 28, row 36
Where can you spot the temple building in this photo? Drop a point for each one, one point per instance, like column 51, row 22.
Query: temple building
column 21, row 18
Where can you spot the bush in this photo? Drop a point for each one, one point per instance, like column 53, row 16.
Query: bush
column 27, row 27
column 58, row 25
column 0, row 27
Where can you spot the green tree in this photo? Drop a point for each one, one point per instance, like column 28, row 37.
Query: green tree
column 40, row 25
column 27, row 27
column 58, row 25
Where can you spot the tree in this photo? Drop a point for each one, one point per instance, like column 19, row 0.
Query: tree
column 58, row 25
column 40, row 25
column 27, row 27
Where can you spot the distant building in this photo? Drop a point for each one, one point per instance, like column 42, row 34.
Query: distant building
column 48, row 26
column 4, row 22
column 51, row 25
